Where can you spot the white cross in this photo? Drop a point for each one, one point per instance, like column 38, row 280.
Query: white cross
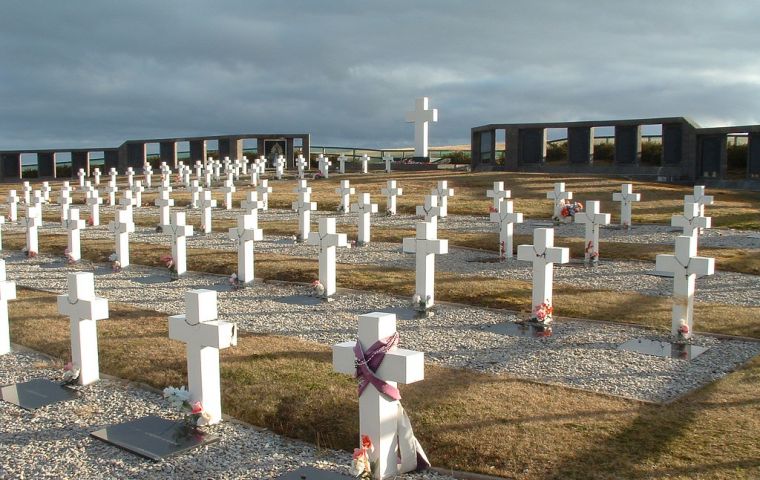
column 342, row 161
column 442, row 191
column 45, row 189
column 430, row 210
column 206, row 203
column 216, row 167
column 498, row 194
column 626, row 197
column 264, row 190
column 84, row 310
column 244, row 166
column 179, row 232
column 185, row 172
column 691, row 221
column 204, row 336
column 303, row 207
column 7, row 292
column 228, row 189
column 32, row 222
column 506, row 217
column 74, row 224
column 558, row 195
column 388, row 159
column 364, row 208
column 301, row 165
column 236, row 168
column 148, row 172
column 2, row 222
column 81, row 174
column 592, row 219
column 27, row 189
column 12, row 206
column 195, row 192
column 279, row 167
column 164, row 204
column 198, row 170
column 425, row 245
column 345, row 191
column 420, row 116
column 113, row 173
column 544, row 255
column 96, row 176
column 246, row 233
column 121, row 227
column 327, row 241
column 302, row 186
column 379, row 414
column 137, row 191
column 94, row 201
column 127, row 202
column 324, row 165
column 685, row 265
column 365, row 162
column 391, row 191
column 111, row 190
column 252, row 204
column 37, row 202
column 255, row 173
column 130, row 176
column 699, row 198
column 65, row 201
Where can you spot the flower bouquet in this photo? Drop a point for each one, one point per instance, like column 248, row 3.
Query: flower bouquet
column 502, row 252
column 568, row 211
column 29, row 253
column 70, row 374
column 69, row 259
column 421, row 305
column 171, row 265
column 683, row 335
column 90, row 221
column 591, row 255
column 234, row 281
column 193, row 413
column 115, row 264
column 317, row 289
column 542, row 314
column 361, row 467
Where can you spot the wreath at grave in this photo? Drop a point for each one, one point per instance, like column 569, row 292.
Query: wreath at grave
column 567, row 211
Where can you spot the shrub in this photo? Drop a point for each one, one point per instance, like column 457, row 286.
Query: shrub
column 604, row 151
column 556, row 151
column 651, row 153
column 460, row 157
column 737, row 157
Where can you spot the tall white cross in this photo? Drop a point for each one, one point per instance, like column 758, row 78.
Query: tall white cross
column 391, row 191
column 164, row 204
column 195, row 192
column 558, row 195
column 430, row 210
column 388, row 159
column 65, row 201
column 111, row 190
column 506, row 217
column 96, row 176
column 130, row 176
column 45, row 189
column 626, row 197
column 7, row 292
column 279, row 167
column 443, row 192
column 206, row 203
column 685, row 265
column 228, row 189
column 378, row 413
column 81, row 174
column 204, row 336
column 94, row 201
column 121, row 227
column 74, row 224
column 245, row 234
column 302, row 165
column 691, row 221
column 543, row 254
column 179, row 231
column 327, row 241
column 31, row 223
column 137, row 191
column 592, row 218
column 148, row 172
column 498, row 194
column 12, row 206
column 342, row 159
column 365, row 162
column 303, row 207
column 345, row 191
column 364, row 208
column 324, row 165
column 420, row 116
column 84, row 310
column 425, row 245
column 264, row 190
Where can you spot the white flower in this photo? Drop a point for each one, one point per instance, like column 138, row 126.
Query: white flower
column 416, row 298
column 357, row 467
column 177, row 396
column 112, row 257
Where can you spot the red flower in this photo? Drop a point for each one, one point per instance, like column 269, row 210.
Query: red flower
column 197, row 408
column 684, row 329
column 366, row 442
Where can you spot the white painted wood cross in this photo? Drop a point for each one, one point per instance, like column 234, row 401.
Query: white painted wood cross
column 342, row 159
column 425, row 245
column 184, row 172
column 12, row 206
column 498, row 194
column 111, row 190
column 121, row 227
column 443, row 192
column 303, row 207
column 251, row 204
column 363, row 207
column 127, row 203
column 324, row 165
column 148, row 172
column 96, row 176
column 558, row 195
column 64, row 200
column 130, row 177
column 302, row 166
column 228, row 189
column 26, row 188
column 84, row 309
column 195, row 192
column 45, row 189
column 626, row 197
column 685, row 265
column 82, row 175
column 112, row 173
column 216, row 167
column 263, row 189
column 206, row 203
column 31, row 223
column 245, row 234
column 379, row 413
column 327, row 241
column 592, row 218
column 365, row 162
column 543, row 254
column 73, row 225
column 391, row 191
column 691, row 221
column 506, row 217
column 7, row 292
column 388, row 159
column 279, row 167
column 164, row 204
column 94, row 201
column 37, row 203
column 699, row 198
column 137, row 191
column 179, row 231
column 344, row 191
column 420, row 116
column 430, row 210
column 204, row 336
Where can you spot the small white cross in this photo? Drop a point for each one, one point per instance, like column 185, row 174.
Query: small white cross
column 506, row 218
column 121, row 227
column 31, row 223
column 592, row 219
column 345, row 191
column 206, row 203
column 12, row 206
column 364, row 208
column 498, row 194
column 264, row 190
column 7, row 292
column 303, row 207
column 391, row 191
column 245, row 234
column 94, row 201
column 626, row 197
column 430, row 210
column 179, row 231
column 195, row 192
column 324, row 165
column 327, row 241
column 691, row 221
column 388, row 159
column 558, row 195
column 228, row 189
column 442, row 191
column 302, row 165
column 426, row 246
column 342, row 161
column 365, row 162
column 74, row 224
column 543, row 254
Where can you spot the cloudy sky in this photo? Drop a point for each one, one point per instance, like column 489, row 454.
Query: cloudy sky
column 80, row 73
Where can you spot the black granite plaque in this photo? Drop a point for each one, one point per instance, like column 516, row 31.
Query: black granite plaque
column 301, row 300
column 657, row 273
column 311, row 473
column 663, row 349
column 407, row 313
column 154, row 437
column 153, row 279
column 37, row 393
column 514, row 329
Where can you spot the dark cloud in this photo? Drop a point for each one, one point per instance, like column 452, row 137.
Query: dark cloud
column 96, row 73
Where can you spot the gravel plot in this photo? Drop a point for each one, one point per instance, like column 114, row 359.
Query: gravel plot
column 580, row 354
column 54, row 441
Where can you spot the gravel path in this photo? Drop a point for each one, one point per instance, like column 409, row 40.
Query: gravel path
column 54, row 441
column 579, row 354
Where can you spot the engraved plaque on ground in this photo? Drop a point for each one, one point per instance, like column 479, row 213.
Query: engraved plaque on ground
column 514, row 329
column 663, row 349
column 300, row 300
column 37, row 393
column 311, row 473
column 154, row 437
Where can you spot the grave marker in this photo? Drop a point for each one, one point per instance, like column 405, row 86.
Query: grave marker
column 195, row 192
column 12, row 206
column 324, row 165
column 425, row 245
column 543, row 254
column 345, row 191
column 137, row 191
column 391, row 191
column 264, row 190
column 7, row 292
column 506, row 217
column 164, row 204
column 31, row 223
column 96, row 176
column 498, row 194
column 327, row 241
column 121, row 227
column 364, row 208
column 388, row 159
column 27, row 189
column 443, row 192
column 245, row 234
column 73, row 225
column 279, row 167
column 365, row 162
column 148, row 172
column 558, row 195
column 301, row 164
column 592, row 219
column 303, row 207
column 691, row 221
column 94, row 201
column 420, row 116
column 45, row 189
column 179, row 231
column 206, row 203
column 228, row 189
column 626, row 197
column 342, row 161
column 430, row 210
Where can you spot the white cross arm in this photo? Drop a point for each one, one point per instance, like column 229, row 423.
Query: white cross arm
column 399, row 365
column 7, row 290
column 553, row 254
column 696, row 265
column 95, row 308
column 215, row 333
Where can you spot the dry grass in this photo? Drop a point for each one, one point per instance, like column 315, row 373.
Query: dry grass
column 468, row 421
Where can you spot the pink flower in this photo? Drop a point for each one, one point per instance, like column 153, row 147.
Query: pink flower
column 366, row 442
column 196, row 408
column 683, row 329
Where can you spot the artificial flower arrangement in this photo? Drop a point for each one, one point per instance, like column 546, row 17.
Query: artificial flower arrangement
column 592, row 255
column 29, row 253
column 420, row 304
column 492, row 209
column 171, row 265
column 502, row 251
column 318, row 176
column 70, row 374
column 234, row 281
column 317, row 289
column 683, row 332
column 193, row 413
column 90, row 221
column 115, row 264
column 542, row 313
column 568, row 211
column 361, row 467
column 69, row 259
